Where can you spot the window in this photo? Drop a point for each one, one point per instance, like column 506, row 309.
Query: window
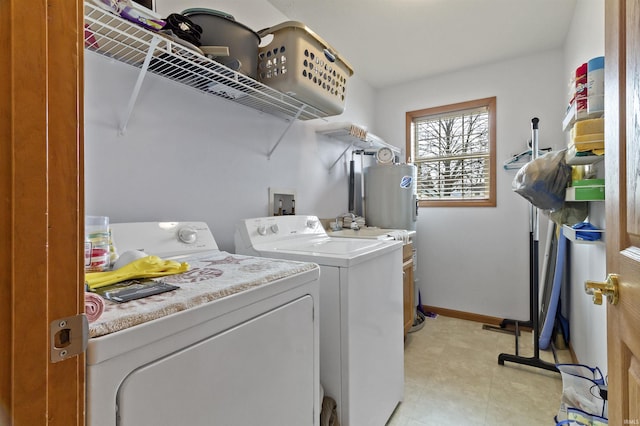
column 454, row 149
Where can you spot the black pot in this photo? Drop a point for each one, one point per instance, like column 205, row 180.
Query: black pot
column 221, row 29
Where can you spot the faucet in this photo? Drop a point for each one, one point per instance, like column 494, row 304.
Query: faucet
column 354, row 225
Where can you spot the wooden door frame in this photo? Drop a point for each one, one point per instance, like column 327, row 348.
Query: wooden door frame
column 42, row 213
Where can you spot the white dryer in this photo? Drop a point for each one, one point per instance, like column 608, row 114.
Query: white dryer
column 361, row 310
column 236, row 344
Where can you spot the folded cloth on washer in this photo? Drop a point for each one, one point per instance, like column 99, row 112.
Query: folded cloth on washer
column 400, row 235
column 93, row 306
column 329, row 413
column 146, row 267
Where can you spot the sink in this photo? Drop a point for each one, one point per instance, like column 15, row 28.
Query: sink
column 369, row 233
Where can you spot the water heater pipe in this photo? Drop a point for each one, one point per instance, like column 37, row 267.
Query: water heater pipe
column 362, row 200
column 352, row 183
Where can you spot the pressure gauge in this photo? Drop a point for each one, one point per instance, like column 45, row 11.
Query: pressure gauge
column 384, row 155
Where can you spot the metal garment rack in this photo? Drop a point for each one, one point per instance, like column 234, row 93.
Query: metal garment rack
column 534, row 280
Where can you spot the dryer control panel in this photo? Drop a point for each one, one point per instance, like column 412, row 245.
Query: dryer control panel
column 164, row 239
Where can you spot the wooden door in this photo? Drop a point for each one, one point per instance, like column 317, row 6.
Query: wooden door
column 622, row 159
column 41, row 208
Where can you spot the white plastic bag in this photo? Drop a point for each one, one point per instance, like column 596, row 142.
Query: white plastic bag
column 580, row 390
column 544, row 180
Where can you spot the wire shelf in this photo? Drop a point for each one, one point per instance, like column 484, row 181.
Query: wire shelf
column 356, row 136
column 111, row 36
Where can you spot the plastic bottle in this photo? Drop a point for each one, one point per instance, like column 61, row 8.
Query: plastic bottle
column 595, row 86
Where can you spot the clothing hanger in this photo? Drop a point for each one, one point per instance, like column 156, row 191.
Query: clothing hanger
column 519, row 160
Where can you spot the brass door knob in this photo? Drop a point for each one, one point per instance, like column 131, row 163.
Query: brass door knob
column 609, row 288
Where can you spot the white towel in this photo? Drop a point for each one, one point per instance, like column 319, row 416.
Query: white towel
column 400, row 235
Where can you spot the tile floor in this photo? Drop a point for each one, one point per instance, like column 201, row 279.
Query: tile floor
column 452, row 378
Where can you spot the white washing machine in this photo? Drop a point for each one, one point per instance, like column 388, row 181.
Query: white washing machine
column 236, row 344
column 361, row 316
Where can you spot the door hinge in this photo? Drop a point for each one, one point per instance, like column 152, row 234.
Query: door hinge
column 68, row 337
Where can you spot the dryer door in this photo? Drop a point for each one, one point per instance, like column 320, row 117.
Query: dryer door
column 260, row 372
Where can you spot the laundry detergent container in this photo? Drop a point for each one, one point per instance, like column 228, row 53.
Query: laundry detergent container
column 221, row 29
column 298, row 62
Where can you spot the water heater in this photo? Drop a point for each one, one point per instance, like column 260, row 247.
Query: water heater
column 390, row 196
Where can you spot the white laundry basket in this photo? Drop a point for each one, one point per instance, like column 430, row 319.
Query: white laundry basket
column 301, row 64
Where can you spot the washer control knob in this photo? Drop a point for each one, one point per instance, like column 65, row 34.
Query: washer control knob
column 187, row 235
column 262, row 229
column 274, row 228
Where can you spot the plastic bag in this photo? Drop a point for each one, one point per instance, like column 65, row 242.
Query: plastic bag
column 572, row 212
column 544, row 180
column 580, row 390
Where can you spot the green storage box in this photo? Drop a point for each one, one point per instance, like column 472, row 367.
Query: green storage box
column 586, row 190
column 588, row 182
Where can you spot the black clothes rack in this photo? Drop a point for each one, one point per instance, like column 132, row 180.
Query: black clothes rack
column 534, row 280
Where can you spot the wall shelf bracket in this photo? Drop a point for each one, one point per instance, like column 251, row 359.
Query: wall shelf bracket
column 341, row 155
column 285, row 132
column 136, row 88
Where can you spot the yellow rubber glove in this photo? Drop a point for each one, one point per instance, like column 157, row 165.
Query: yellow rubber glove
column 146, row 267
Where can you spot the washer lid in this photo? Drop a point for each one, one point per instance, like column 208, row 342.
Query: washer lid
column 331, row 246
column 329, row 251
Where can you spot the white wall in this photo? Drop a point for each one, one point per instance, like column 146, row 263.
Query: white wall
column 190, row 156
column 493, row 243
column 588, row 262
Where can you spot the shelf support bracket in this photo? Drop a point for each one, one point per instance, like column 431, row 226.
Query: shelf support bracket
column 138, row 85
column 285, row 132
column 341, row 155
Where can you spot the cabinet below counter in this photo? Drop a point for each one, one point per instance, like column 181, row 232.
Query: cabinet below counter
column 407, row 286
